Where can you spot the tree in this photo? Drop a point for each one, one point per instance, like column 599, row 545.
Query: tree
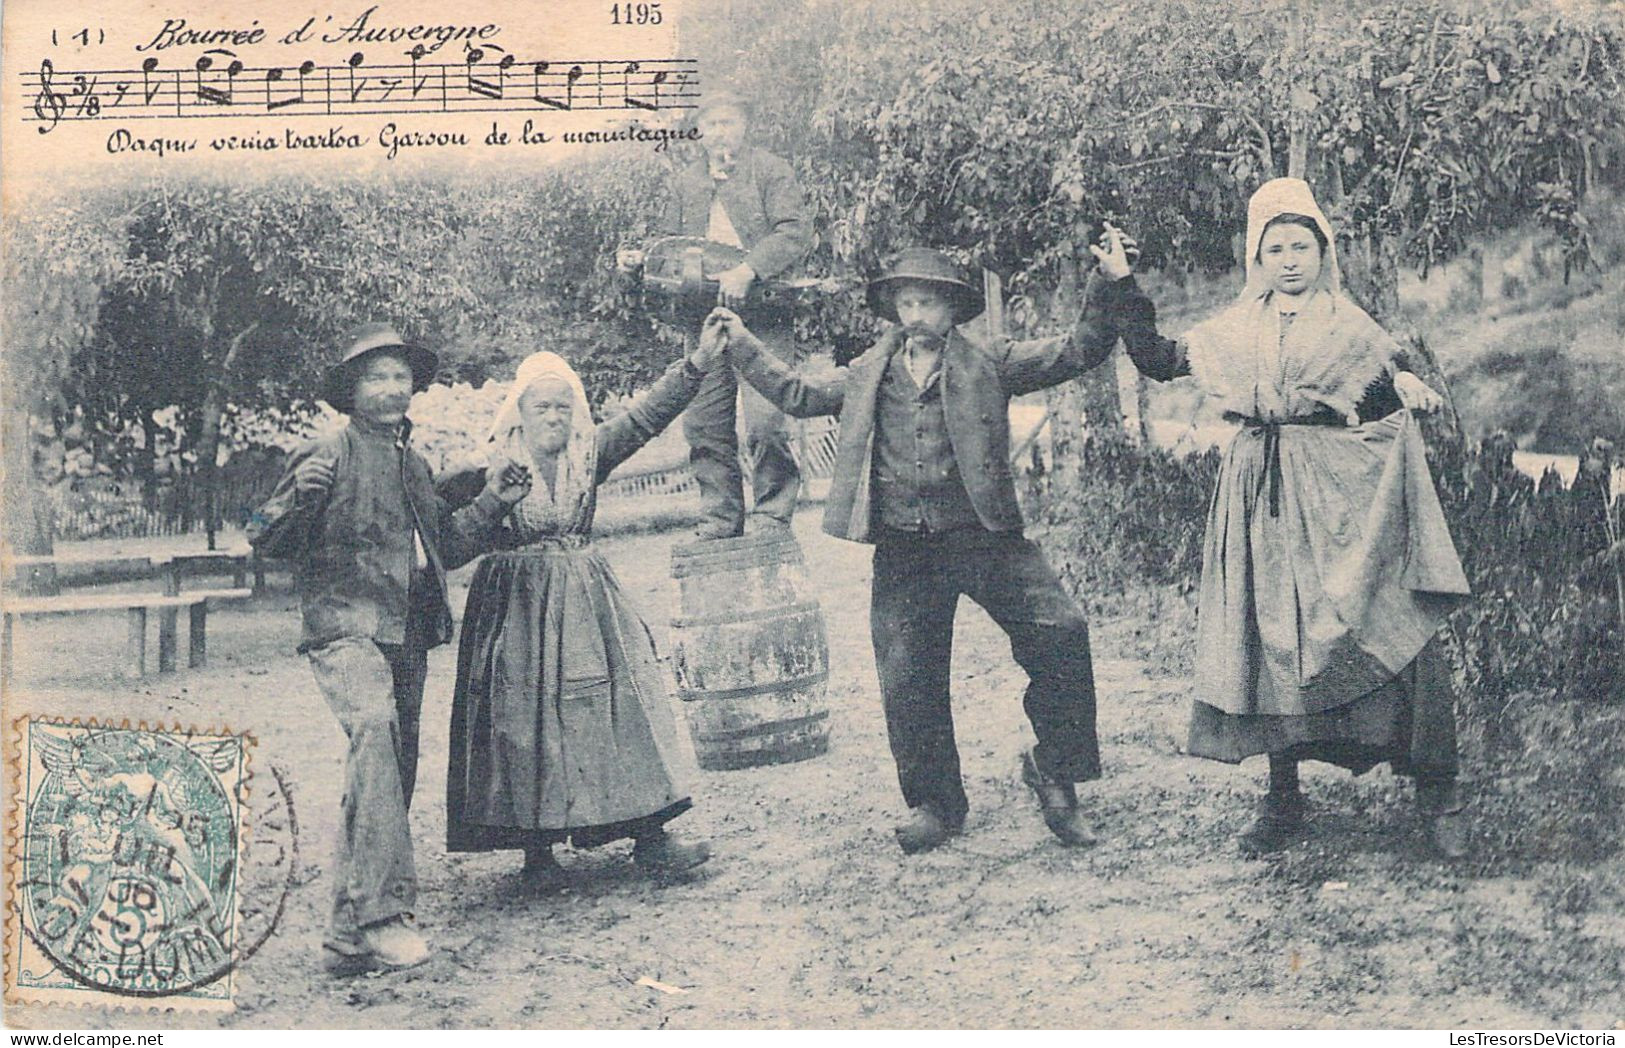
column 995, row 134
column 57, row 259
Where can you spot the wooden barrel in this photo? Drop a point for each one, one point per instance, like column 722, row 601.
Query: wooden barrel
column 749, row 652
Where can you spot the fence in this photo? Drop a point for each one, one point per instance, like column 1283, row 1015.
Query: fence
column 106, row 508
column 813, row 447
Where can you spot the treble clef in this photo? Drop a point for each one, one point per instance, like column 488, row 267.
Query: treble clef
column 49, row 105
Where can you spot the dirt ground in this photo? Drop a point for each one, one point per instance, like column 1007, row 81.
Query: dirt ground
column 809, row 916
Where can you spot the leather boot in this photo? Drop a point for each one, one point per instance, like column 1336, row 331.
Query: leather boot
column 925, row 830
column 1281, row 822
column 1058, row 801
column 1440, row 803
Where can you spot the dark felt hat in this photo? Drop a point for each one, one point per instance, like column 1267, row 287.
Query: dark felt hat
column 339, row 385
column 923, row 265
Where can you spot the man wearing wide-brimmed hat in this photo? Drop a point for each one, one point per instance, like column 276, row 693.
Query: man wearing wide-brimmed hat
column 923, row 472
column 357, row 515
column 745, row 197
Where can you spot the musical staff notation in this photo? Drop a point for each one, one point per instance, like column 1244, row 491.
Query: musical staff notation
column 486, row 80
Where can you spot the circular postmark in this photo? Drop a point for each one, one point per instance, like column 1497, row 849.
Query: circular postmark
column 150, row 867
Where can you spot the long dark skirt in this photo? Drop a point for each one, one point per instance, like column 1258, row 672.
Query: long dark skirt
column 1408, row 723
column 561, row 725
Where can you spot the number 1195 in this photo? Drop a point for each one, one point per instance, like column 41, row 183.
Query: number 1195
column 634, row 14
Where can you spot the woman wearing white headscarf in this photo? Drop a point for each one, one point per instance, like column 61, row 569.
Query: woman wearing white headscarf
column 561, row 726
column 1327, row 566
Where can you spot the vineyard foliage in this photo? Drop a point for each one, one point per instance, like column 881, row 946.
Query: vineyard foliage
column 1000, row 134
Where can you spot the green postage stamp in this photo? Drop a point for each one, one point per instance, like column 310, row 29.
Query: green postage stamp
column 124, row 860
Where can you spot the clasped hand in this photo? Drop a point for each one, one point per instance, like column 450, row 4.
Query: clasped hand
column 508, row 484
column 721, row 330
column 733, row 285
column 1116, row 253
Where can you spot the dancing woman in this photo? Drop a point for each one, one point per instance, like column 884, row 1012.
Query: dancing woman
column 561, row 726
column 1327, row 566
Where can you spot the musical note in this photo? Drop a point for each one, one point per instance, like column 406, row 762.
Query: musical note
column 416, row 55
column 49, row 105
column 485, row 88
column 575, row 73
column 626, row 87
column 274, row 76
column 146, row 78
column 355, row 63
column 478, row 82
column 209, row 92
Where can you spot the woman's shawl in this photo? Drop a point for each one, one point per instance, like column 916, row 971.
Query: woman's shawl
column 1330, row 353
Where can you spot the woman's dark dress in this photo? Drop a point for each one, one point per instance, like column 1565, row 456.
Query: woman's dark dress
column 561, row 725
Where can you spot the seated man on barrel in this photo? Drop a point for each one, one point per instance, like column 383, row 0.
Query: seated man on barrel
column 922, row 471
column 744, row 197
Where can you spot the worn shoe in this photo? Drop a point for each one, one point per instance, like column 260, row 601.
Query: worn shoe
column 390, row 945
column 663, row 854
column 1448, row 834
column 1058, row 801
column 345, row 957
column 718, row 529
column 542, row 871
column 1279, row 824
column 767, row 524
column 925, row 830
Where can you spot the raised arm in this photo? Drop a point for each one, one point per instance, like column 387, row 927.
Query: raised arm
column 1135, row 320
column 1035, row 364
column 649, row 415
column 775, row 380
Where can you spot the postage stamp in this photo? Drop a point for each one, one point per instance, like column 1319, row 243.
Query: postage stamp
column 127, row 863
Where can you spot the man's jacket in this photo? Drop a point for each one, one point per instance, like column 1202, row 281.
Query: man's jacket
column 352, row 547
column 763, row 202
column 977, row 384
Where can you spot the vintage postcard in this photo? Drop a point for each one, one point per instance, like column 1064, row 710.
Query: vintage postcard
column 766, row 514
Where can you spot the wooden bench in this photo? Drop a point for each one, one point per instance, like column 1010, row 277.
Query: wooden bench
column 179, row 565
column 34, row 570
column 135, row 606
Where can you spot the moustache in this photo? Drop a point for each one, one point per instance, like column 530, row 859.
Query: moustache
column 922, row 337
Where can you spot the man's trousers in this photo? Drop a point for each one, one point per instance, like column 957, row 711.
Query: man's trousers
column 713, row 441
column 376, row 691
column 918, row 579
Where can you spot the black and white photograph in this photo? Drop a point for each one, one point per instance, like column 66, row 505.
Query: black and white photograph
column 786, row 515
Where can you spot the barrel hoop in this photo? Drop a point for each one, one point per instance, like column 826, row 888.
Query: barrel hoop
column 721, row 563
column 738, row 542
column 815, row 746
column 782, row 611
column 772, row 728
column 703, row 694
